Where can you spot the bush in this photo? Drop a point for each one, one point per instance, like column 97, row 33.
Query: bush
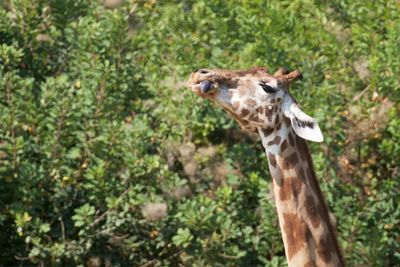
column 106, row 158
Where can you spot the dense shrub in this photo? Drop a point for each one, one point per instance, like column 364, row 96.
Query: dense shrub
column 106, row 158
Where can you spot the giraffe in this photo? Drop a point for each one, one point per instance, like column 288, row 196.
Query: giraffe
column 262, row 103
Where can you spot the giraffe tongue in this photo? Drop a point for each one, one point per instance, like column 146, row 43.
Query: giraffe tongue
column 205, row 86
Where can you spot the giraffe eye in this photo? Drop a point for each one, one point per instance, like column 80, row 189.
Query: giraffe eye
column 268, row 89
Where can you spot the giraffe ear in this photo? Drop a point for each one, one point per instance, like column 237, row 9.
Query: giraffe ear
column 303, row 125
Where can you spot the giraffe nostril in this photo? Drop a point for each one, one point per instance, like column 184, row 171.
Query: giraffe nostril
column 203, row 71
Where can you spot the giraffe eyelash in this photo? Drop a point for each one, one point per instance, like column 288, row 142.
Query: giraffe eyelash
column 268, row 89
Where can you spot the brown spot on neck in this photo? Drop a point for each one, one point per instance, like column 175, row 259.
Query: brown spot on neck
column 312, row 211
column 244, row 113
column 267, row 131
column 297, row 233
column 254, row 118
column 277, row 128
column 323, row 249
column 290, row 161
column 301, row 174
column 291, row 140
column 269, row 114
column 283, row 145
column 271, row 159
column 277, row 118
column 275, row 141
column 290, row 187
column 287, row 122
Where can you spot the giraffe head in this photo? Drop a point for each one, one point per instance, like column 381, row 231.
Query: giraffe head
column 256, row 99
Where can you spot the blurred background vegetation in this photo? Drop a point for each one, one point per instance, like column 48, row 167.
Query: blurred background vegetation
column 106, row 159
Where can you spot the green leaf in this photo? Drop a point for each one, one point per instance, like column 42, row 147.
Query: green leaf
column 183, row 237
column 45, row 228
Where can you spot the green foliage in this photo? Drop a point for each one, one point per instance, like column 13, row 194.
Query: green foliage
column 106, row 158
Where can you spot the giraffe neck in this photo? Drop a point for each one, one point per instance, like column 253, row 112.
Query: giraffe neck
column 308, row 235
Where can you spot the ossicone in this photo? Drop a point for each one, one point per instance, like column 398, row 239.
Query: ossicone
column 286, row 78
